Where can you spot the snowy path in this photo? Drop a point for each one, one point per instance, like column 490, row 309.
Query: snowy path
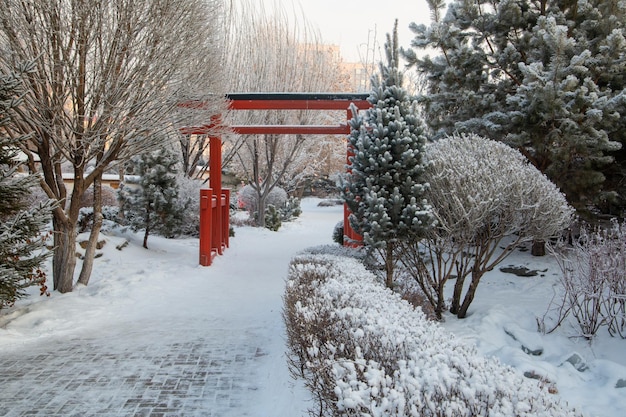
column 155, row 334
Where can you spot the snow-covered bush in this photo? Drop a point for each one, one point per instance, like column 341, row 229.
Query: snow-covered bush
column 152, row 203
column 247, row 198
column 272, row 218
column 110, row 216
column 109, row 197
column 593, row 281
column 290, row 209
column 385, row 185
column 189, row 203
column 338, row 233
column 363, row 351
column 487, row 199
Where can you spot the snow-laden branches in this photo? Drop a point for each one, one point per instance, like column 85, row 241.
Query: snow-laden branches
column 481, row 192
column 593, row 282
column 277, row 51
column 363, row 351
column 104, row 85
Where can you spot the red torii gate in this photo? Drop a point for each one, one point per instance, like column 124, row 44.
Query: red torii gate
column 214, row 202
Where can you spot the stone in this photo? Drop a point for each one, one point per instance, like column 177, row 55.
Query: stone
column 577, row 362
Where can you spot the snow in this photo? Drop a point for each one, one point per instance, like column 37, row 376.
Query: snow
column 165, row 291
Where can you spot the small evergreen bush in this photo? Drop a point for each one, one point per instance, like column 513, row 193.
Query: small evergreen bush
column 272, row 218
column 338, row 233
column 291, row 209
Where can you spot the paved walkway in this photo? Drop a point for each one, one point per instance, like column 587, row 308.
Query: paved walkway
column 93, row 377
column 227, row 361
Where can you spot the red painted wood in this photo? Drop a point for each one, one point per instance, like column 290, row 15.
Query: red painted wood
column 206, row 255
column 297, row 104
column 291, row 130
column 215, row 202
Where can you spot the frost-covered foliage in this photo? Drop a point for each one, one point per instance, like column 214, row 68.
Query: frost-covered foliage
column 546, row 77
column 593, row 281
column 272, row 218
column 22, row 247
column 152, row 204
column 247, row 198
column 188, row 202
column 384, row 186
column 338, row 233
column 110, row 217
column 487, row 199
column 284, row 208
column 290, row 209
column 363, row 351
column 108, row 195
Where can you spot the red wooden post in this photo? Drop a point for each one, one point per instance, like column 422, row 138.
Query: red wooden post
column 226, row 218
column 206, row 197
column 215, row 181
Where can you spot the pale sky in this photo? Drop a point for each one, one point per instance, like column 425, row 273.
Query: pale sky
column 350, row 23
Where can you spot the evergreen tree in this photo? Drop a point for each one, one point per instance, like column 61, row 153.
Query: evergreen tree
column 384, row 187
column 21, row 244
column 547, row 78
column 152, row 203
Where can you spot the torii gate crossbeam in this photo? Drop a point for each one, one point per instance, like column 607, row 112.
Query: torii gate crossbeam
column 214, row 214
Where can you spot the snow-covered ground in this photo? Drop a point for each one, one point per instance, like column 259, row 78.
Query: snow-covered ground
column 242, row 292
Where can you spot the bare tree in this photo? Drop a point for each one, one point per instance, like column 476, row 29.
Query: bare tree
column 269, row 53
column 107, row 77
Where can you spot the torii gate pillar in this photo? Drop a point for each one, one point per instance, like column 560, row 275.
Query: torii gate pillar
column 215, row 202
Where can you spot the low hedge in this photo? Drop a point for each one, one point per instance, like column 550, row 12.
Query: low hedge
column 363, row 351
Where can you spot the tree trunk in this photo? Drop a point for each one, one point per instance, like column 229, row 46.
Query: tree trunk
column 147, row 232
column 261, row 203
column 389, row 263
column 64, row 256
column 90, row 251
column 538, row 248
column 456, row 296
column 469, row 296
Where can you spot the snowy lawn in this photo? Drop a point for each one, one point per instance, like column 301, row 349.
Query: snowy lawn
column 164, row 287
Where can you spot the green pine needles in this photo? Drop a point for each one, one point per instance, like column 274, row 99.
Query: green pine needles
column 22, row 244
column 384, row 188
column 546, row 77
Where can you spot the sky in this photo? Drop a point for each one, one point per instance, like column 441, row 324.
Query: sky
column 355, row 25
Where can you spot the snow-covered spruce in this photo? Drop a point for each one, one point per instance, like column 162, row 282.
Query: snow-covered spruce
column 363, row 351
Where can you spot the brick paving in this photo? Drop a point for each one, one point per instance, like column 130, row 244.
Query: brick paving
column 90, row 376
column 213, row 347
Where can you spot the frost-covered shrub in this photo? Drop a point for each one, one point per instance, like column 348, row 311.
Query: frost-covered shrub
column 152, row 203
column 593, row 281
column 338, row 233
column 247, row 198
column 487, row 199
column 363, row 351
column 110, row 216
column 290, row 209
column 272, row 218
column 109, row 197
column 189, row 203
